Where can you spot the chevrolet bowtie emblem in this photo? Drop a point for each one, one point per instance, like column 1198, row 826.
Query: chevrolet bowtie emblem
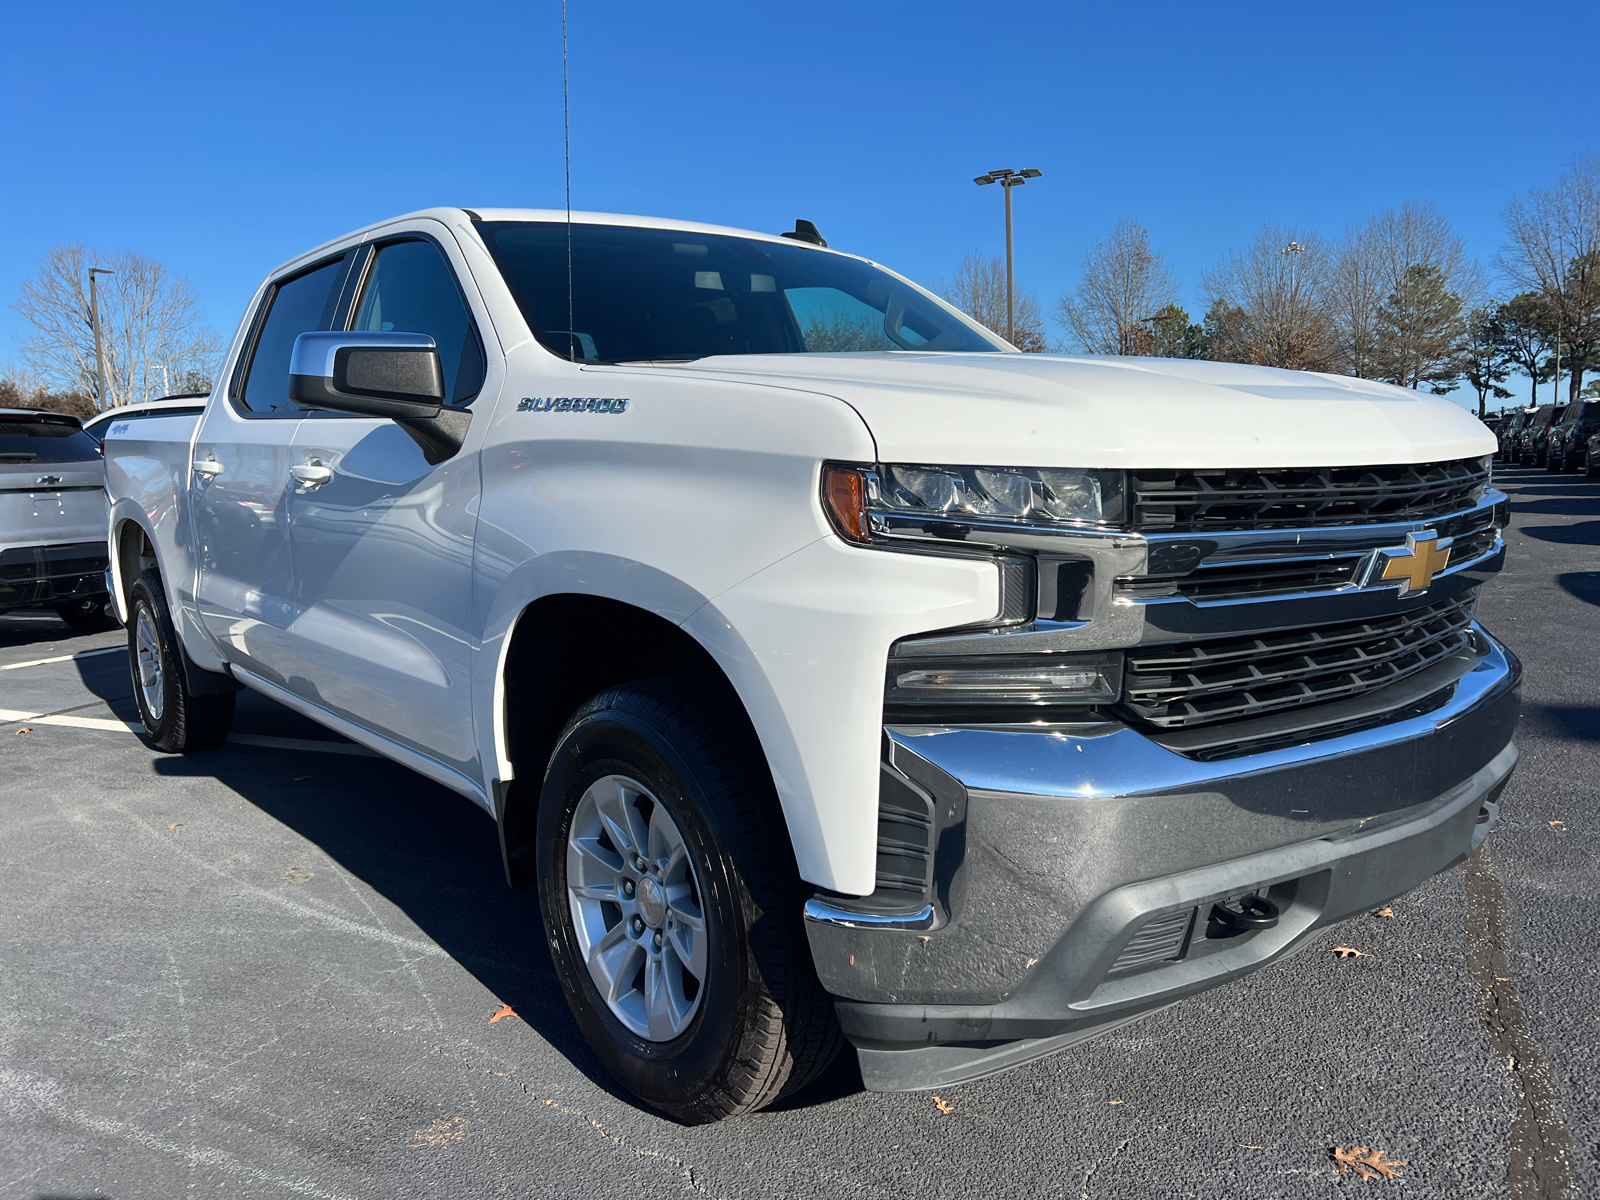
column 1424, row 556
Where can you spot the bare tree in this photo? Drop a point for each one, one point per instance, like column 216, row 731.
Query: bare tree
column 1553, row 248
column 1356, row 286
column 149, row 318
column 979, row 290
column 1267, row 302
column 1124, row 285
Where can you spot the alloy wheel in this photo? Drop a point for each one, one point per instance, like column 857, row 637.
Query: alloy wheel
column 148, row 661
column 636, row 908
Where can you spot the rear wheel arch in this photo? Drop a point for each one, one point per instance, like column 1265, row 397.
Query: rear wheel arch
column 133, row 553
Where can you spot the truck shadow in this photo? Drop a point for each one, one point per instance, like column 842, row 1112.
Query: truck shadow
column 434, row 855
column 1584, row 533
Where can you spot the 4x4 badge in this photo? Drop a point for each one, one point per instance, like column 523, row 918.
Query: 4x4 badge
column 1416, row 563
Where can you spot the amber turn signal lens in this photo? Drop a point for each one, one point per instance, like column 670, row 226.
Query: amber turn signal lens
column 844, row 498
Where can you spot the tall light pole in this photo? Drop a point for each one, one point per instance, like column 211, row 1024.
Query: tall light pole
column 99, row 350
column 1009, row 180
column 1292, row 253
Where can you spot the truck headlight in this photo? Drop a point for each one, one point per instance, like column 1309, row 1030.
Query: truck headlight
column 1051, row 496
column 1034, row 680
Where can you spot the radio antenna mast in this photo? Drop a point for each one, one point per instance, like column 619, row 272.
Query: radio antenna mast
column 566, row 140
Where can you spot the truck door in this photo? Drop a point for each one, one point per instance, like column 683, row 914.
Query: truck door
column 245, row 588
column 382, row 540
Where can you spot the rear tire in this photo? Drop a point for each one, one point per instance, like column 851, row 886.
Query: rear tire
column 758, row 1024
column 175, row 719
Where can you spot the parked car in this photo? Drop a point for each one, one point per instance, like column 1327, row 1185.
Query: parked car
column 1569, row 439
column 52, row 517
column 1508, row 433
column 1591, row 457
column 188, row 404
column 830, row 668
column 1532, row 442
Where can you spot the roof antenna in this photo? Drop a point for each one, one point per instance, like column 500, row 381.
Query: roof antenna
column 804, row 231
column 566, row 139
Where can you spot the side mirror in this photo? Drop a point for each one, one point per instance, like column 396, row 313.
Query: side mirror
column 393, row 375
column 367, row 374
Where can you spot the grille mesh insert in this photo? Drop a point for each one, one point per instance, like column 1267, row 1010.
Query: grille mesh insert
column 1223, row 679
column 1197, row 501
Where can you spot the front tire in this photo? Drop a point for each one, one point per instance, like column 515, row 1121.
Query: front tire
column 174, row 718
column 672, row 906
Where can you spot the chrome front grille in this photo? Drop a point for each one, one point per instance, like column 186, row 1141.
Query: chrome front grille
column 1285, row 574
column 1190, row 684
column 1199, row 501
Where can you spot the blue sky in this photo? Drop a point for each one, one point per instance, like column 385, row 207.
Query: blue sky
column 223, row 138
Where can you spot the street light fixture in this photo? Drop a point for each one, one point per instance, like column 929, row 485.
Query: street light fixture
column 1008, row 180
column 94, row 320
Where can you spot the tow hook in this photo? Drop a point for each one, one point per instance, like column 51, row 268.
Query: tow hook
column 1241, row 914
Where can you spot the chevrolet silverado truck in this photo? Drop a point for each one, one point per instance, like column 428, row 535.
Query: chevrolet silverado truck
column 835, row 672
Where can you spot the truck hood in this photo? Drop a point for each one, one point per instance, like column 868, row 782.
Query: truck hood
column 1050, row 410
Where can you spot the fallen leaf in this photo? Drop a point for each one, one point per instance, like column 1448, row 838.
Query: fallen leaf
column 1242, row 1146
column 1116, row 1101
column 1349, row 952
column 91, row 883
column 505, row 1011
column 301, row 778
column 173, row 826
column 26, row 729
column 1561, row 823
column 1385, row 912
column 1369, row 1165
column 943, row 1106
column 440, row 1133
column 298, row 874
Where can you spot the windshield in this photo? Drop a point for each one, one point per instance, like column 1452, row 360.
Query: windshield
column 44, row 440
column 660, row 294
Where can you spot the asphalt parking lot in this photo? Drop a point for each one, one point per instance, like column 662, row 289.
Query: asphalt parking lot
column 270, row 970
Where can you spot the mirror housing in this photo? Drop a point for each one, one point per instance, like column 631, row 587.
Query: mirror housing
column 375, row 374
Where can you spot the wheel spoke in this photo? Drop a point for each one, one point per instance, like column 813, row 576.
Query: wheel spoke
column 616, row 961
column 590, row 861
column 688, row 945
column 665, row 842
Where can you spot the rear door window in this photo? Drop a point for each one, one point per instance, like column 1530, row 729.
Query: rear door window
column 44, row 441
column 410, row 288
column 298, row 305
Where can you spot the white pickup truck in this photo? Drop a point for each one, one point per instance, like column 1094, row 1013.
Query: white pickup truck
column 836, row 672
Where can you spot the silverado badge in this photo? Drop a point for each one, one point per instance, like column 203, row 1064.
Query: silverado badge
column 1416, row 563
column 592, row 404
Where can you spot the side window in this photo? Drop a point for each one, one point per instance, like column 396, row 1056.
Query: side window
column 411, row 289
column 299, row 305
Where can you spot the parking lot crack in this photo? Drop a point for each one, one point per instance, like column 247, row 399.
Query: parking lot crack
column 1539, row 1158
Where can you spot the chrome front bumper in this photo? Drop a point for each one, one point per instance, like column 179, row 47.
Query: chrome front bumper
column 1059, row 844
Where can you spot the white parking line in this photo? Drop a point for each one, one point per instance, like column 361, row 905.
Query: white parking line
column 10, row 716
column 40, row 662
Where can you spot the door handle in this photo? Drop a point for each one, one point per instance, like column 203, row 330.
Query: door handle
column 209, row 467
column 311, row 475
